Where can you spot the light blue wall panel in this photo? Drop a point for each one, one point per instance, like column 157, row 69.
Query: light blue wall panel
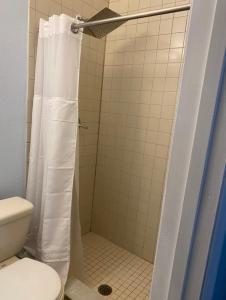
column 13, row 86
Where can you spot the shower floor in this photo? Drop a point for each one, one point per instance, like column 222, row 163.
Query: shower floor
column 105, row 263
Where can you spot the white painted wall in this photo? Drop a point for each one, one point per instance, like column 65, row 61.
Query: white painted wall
column 13, row 87
column 189, row 146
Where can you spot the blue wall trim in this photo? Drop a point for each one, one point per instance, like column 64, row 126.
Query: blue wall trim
column 205, row 171
column 214, row 285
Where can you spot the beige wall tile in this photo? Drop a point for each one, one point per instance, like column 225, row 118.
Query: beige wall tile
column 142, row 68
column 166, row 26
column 32, row 3
column 42, row 6
column 179, row 24
column 177, row 40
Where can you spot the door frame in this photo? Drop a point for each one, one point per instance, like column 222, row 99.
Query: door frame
column 189, row 148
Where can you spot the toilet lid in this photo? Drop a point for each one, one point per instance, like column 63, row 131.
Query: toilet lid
column 28, row 279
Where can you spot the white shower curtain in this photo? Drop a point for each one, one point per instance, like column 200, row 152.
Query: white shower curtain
column 53, row 144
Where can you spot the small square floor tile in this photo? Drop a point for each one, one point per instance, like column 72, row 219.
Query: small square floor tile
column 128, row 275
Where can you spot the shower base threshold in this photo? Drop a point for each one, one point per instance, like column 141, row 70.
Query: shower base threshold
column 76, row 290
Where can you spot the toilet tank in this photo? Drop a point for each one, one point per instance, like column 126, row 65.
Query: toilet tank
column 15, row 217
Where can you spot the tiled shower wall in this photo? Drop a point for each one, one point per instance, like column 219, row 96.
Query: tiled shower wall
column 142, row 69
column 92, row 60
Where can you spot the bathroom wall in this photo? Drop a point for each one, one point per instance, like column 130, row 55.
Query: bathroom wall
column 13, row 89
column 142, row 69
column 92, row 60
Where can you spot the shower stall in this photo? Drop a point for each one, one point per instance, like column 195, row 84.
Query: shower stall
column 127, row 99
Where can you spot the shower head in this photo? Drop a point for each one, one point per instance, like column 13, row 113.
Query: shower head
column 100, row 31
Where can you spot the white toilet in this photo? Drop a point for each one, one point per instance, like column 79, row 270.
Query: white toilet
column 22, row 279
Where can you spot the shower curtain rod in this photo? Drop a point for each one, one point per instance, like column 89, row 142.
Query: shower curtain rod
column 75, row 27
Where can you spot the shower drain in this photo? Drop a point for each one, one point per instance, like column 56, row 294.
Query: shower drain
column 105, row 290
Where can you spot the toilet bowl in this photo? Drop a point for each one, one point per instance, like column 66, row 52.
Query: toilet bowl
column 28, row 279
column 22, row 279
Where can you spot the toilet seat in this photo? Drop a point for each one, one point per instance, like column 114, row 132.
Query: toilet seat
column 27, row 279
